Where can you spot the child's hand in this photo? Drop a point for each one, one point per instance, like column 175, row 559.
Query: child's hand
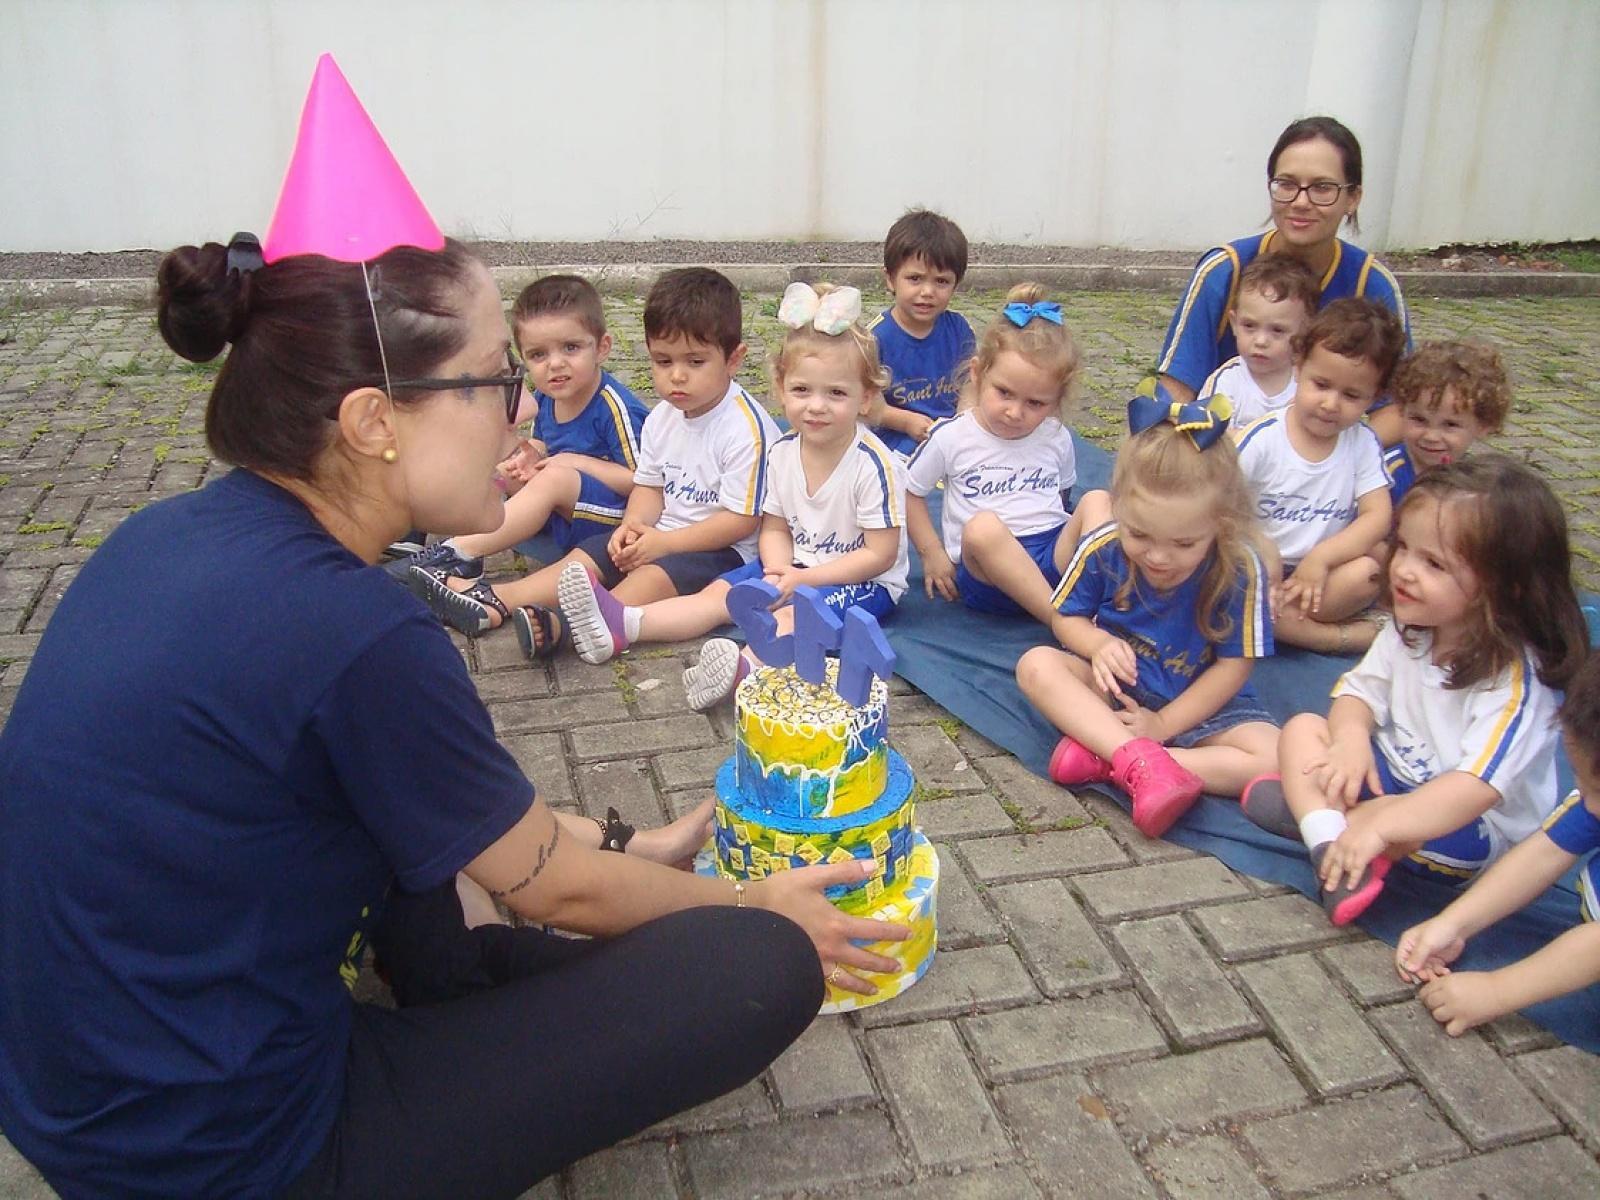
column 649, row 546
column 627, row 533
column 1343, row 770
column 1141, row 722
column 785, row 580
column 565, row 459
column 918, row 426
column 1464, row 999
column 939, row 575
column 1426, row 951
column 523, row 462
column 1351, row 851
column 1305, row 585
column 1113, row 664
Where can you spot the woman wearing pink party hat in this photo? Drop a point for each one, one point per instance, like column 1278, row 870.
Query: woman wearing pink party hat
column 182, row 907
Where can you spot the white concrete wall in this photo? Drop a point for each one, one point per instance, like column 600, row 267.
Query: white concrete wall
column 1141, row 123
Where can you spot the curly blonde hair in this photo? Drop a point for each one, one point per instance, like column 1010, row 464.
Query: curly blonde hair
column 1048, row 346
column 874, row 375
column 1162, row 461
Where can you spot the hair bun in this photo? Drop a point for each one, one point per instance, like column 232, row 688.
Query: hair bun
column 1027, row 293
column 202, row 305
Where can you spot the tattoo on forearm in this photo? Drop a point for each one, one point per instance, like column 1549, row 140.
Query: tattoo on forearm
column 545, row 852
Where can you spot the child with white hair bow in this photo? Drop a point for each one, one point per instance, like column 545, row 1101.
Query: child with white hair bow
column 834, row 515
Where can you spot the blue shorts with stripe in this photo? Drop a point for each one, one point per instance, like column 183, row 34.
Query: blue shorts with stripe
column 1242, row 708
column 871, row 598
column 598, row 511
column 1457, row 855
column 986, row 598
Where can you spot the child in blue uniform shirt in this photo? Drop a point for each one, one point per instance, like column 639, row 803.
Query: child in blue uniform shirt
column 1460, row 1000
column 924, row 345
column 573, row 477
column 1161, row 614
column 1449, row 395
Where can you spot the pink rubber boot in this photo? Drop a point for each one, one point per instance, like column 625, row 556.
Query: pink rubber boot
column 1161, row 790
column 1073, row 763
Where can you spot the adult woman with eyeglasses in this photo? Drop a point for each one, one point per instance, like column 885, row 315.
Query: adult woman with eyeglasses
column 1314, row 184
column 238, row 735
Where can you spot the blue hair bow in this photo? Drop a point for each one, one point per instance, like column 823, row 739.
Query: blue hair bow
column 1019, row 314
column 1205, row 421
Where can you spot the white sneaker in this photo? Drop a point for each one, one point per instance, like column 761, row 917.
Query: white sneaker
column 713, row 679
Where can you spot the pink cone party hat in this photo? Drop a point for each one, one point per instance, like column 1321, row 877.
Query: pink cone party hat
column 344, row 197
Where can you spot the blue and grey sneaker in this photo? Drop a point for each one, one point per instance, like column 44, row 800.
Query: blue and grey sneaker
column 413, row 541
column 439, row 558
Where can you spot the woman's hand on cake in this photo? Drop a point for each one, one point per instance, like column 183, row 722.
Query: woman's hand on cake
column 798, row 896
column 675, row 844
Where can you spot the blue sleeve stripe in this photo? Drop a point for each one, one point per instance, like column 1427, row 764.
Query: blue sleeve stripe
column 1255, row 608
column 928, row 441
column 1509, row 724
column 1395, row 299
column 1574, row 797
column 757, row 490
column 1209, row 387
column 891, row 519
column 1255, row 427
column 1090, row 546
column 1175, row 339
column 624, row 427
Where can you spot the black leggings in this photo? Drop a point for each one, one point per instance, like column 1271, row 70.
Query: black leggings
column 551, row 1048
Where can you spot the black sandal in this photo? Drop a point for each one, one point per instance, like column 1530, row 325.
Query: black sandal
column 540, row 630
column 466, row 611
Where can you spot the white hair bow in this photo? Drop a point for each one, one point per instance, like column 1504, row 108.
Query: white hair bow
column 831, row 314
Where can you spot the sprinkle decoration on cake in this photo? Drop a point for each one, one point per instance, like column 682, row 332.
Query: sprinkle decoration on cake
column 813, row 780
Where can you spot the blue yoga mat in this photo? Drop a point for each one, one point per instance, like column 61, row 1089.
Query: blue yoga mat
column 965, row 661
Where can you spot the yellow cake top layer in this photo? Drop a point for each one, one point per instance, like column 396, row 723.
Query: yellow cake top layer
column 781, row 701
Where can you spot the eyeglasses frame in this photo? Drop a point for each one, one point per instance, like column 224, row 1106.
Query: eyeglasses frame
column 512, row 384
column 1306, row 188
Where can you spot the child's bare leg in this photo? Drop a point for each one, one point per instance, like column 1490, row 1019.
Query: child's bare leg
column 1303, row 741
column 645, row 586
column 554, row 489
column 681, row 617
column 1061, row 687
column 1228, row 760
column 993, row 555
column 539, row 587
column 1336, row 627
column 1351, row 588
column 1093, row 511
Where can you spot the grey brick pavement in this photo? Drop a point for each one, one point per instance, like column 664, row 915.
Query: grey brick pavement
column 1108, row 1016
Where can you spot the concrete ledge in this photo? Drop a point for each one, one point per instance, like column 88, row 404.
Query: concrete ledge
column 774, row 277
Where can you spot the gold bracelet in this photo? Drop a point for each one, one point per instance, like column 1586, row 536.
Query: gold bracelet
column 738, row 894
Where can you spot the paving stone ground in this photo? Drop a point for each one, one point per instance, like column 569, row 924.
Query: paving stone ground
column 1107, row 1016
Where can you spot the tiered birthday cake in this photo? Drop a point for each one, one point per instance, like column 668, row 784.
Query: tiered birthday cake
column 812, row 780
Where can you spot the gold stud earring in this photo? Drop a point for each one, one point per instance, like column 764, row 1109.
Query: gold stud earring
column 391, row 455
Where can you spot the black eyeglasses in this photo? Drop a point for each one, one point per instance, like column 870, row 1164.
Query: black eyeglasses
column 1322, row 193
column 511, row 383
